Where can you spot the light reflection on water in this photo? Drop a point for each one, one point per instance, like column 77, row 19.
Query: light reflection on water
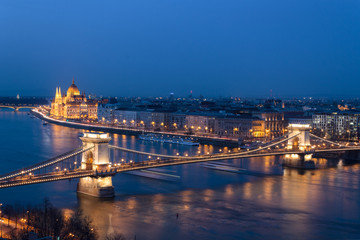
column 211, row 204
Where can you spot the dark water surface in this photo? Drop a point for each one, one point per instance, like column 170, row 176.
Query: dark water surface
column 286, row 204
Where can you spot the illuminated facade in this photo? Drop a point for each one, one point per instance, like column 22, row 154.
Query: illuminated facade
column 73, row 105
column 274, row 123
column 258, row 128
column 337, row 125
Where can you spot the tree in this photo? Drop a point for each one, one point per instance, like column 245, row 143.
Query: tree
column 78, row 227
column 9, row 212
column 47, row 221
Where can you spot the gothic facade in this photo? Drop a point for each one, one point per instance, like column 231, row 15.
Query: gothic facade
column 73, row 105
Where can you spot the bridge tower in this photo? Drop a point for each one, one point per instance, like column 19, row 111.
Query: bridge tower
column 96, row 159
column 302, row 139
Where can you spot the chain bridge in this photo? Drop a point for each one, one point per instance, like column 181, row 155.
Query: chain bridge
column 95, row 170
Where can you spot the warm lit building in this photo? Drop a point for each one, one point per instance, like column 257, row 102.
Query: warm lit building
column 235, row 126
column 200, row 123
column 73, row 105
column 275, row 123
column 258, row 128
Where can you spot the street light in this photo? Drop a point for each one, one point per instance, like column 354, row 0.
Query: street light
column 235, row 130
column 28, row 216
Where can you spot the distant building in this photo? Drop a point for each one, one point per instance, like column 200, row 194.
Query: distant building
column 144, row 119
column 265, row 124
column 177, row 121
column 200, row 123
column 239, row 127
column 73, row 105
column 128, row 118
column 337, row 126
column 258, row 128
column 274, row 123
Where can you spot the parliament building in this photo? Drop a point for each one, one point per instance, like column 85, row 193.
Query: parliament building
column 73, row 105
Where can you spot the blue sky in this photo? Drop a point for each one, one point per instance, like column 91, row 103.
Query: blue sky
column 141, row 47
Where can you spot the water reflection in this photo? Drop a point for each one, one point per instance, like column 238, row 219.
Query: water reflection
column 284, row 203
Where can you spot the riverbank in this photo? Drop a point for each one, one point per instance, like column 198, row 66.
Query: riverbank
column 135, row 132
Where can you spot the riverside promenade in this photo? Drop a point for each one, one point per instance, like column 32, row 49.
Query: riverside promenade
column 131, row 131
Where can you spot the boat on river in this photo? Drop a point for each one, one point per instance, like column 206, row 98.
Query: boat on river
column 168, row 139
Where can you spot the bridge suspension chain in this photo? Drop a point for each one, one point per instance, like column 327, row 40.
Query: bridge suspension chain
column 325, row 140
column 203, row 156
column 46, row 163
column 266, row 146
column 275, row 139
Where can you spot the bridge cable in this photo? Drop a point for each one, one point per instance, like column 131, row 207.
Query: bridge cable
column 325, row 140
column 46, row 163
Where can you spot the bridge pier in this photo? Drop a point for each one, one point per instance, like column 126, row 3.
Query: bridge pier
column 302, row 160
column 96, row 159
column 299, row 140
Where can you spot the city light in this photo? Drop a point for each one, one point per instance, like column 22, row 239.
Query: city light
column 192, row 120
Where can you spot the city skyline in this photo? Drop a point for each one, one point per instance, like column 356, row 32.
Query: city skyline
column 180, row 119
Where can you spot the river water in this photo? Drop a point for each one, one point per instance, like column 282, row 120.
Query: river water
column 284, row 204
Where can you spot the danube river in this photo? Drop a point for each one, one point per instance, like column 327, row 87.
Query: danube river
column 283, row 204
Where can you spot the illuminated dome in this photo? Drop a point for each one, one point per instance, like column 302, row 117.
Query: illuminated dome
column 73, row 90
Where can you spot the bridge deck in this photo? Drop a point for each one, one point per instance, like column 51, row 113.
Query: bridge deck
column 125, row 167
column 27, row 180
